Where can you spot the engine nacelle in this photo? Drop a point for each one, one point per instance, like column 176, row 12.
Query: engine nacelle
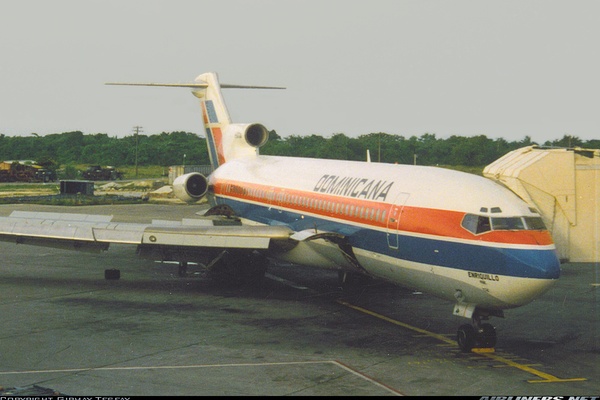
column 255, row 135
column 190, row 187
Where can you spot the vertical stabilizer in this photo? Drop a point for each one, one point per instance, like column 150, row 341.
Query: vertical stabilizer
column 214, row 114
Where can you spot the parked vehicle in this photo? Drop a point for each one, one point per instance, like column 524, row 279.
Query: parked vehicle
column 98, row 173
column 17, row 171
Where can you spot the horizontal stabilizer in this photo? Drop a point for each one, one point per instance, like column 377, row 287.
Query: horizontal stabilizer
column 194, row 85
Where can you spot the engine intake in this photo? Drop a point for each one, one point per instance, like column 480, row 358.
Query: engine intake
column 190, row 187
column 256, row 135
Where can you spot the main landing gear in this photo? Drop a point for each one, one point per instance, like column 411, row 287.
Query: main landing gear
column 481, row 335
column 238, row 268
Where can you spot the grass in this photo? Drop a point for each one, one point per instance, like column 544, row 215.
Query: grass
column 29, row 187
column 143, row 171
column 71, row 200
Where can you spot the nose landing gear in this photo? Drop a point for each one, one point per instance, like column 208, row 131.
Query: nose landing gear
column 469, row 337
column 482, row 335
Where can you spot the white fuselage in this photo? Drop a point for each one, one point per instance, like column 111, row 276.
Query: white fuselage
column 405, row 224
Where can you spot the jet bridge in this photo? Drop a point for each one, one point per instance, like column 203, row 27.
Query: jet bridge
column 563, row 184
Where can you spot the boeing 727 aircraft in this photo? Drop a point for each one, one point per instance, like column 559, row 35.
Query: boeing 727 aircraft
column 454, row 235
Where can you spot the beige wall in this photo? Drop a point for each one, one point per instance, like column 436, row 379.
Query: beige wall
column 585, row 235
column 564, row 185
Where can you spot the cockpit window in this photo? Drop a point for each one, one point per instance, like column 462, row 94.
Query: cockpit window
column 478, row 224
column 534, row 223
column 507, row 224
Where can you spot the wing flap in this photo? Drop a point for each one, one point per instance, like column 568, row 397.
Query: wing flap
column 68, row 227
column 241, row 237
column 79, row 231
column 50, row 216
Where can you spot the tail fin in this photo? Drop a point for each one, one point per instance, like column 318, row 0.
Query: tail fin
column 224, row 139
column 215, row 116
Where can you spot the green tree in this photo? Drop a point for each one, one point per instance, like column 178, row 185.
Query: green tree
column 566, row 141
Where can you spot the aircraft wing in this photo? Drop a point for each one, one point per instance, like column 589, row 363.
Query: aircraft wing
column 88, row 232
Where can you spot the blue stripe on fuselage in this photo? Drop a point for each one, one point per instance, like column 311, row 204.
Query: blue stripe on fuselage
column 212, row 148
column 526, row 263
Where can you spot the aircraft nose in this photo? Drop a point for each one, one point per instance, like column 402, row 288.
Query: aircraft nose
column 537, row 273
column 539, row 264
column 550, row 265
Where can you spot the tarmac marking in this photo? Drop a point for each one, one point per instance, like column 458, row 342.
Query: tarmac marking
column 437, row 336
column 546, row 378
column 368, row 378
column 157, row 367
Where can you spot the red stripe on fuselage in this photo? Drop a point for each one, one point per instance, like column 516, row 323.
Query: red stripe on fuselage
column 417, row 220
column 218, row 139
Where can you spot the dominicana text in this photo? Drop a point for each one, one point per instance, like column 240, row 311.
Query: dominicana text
column 371, row 189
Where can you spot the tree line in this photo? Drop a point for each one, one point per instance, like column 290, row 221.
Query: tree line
column 427, row 149
column 75, row 148
column 176, row 148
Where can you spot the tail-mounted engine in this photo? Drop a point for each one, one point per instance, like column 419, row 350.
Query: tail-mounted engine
column 190, row 187
column 242, row 140
column 256, row 135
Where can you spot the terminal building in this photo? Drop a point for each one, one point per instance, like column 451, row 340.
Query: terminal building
column 563, row 184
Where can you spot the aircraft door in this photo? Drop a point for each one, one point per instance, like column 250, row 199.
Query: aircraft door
column 393, row 220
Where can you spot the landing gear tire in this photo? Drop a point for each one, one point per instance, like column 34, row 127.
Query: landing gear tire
column 466, row 337
column 487, row 335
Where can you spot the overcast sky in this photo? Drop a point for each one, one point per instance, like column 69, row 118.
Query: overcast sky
column 504, row 69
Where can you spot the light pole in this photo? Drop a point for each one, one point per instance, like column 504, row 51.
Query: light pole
column 136, row 130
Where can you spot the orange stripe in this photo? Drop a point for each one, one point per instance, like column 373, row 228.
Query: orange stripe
column 204, row 113
column 413, row 219
column 218, row 139
column 308, row 202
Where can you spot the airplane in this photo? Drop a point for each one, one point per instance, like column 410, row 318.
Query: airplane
column 455, row 235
